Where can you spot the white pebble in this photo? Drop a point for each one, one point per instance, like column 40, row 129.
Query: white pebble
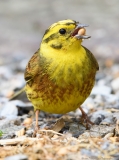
column 101, row 90
column 115, row 84
column 8, row 109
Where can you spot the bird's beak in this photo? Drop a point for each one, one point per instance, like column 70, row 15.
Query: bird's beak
column 79, row 32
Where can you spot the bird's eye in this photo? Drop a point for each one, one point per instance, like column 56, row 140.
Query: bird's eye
column 62, row 31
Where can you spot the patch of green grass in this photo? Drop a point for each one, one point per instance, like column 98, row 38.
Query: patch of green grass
column 1, row 133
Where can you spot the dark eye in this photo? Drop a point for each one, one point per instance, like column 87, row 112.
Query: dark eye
column 62, row 31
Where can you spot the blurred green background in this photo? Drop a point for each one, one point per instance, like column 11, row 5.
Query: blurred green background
column 23, row 22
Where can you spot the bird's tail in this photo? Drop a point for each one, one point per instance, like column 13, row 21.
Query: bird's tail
column 17, row 94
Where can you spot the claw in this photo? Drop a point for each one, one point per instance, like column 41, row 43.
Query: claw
column 85, row 118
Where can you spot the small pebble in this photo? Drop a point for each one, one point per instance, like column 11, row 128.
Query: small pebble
column 98, row 116
column 17, row 157
column 115, row 84
column 101, row 90
column 27, row 122
column 8, row 109
column 20, row 132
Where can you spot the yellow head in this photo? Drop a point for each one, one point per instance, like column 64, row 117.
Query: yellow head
column 64, row 34
column 61, row 51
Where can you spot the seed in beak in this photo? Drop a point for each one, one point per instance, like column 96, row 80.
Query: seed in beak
column 81, row 31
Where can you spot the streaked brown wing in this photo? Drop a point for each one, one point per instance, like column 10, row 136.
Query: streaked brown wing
column 32, row 67
column 92, row 58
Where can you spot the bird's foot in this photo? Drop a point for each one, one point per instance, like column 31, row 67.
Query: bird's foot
column 35, row 131
column 85, row 120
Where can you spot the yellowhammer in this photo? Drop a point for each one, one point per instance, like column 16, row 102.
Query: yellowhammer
column 61, row 74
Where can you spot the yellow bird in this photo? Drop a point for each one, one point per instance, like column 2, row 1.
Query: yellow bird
column 61, row 74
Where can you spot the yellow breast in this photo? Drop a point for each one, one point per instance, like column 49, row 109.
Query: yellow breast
column 66, row 82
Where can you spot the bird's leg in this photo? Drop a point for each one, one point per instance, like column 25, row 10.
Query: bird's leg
column 36, row 125
column 37, row 115
column 85, row 118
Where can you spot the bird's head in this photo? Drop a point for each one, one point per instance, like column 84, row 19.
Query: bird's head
column 64, row 34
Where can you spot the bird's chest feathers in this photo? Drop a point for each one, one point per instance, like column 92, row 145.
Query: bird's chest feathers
column 66, row 69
